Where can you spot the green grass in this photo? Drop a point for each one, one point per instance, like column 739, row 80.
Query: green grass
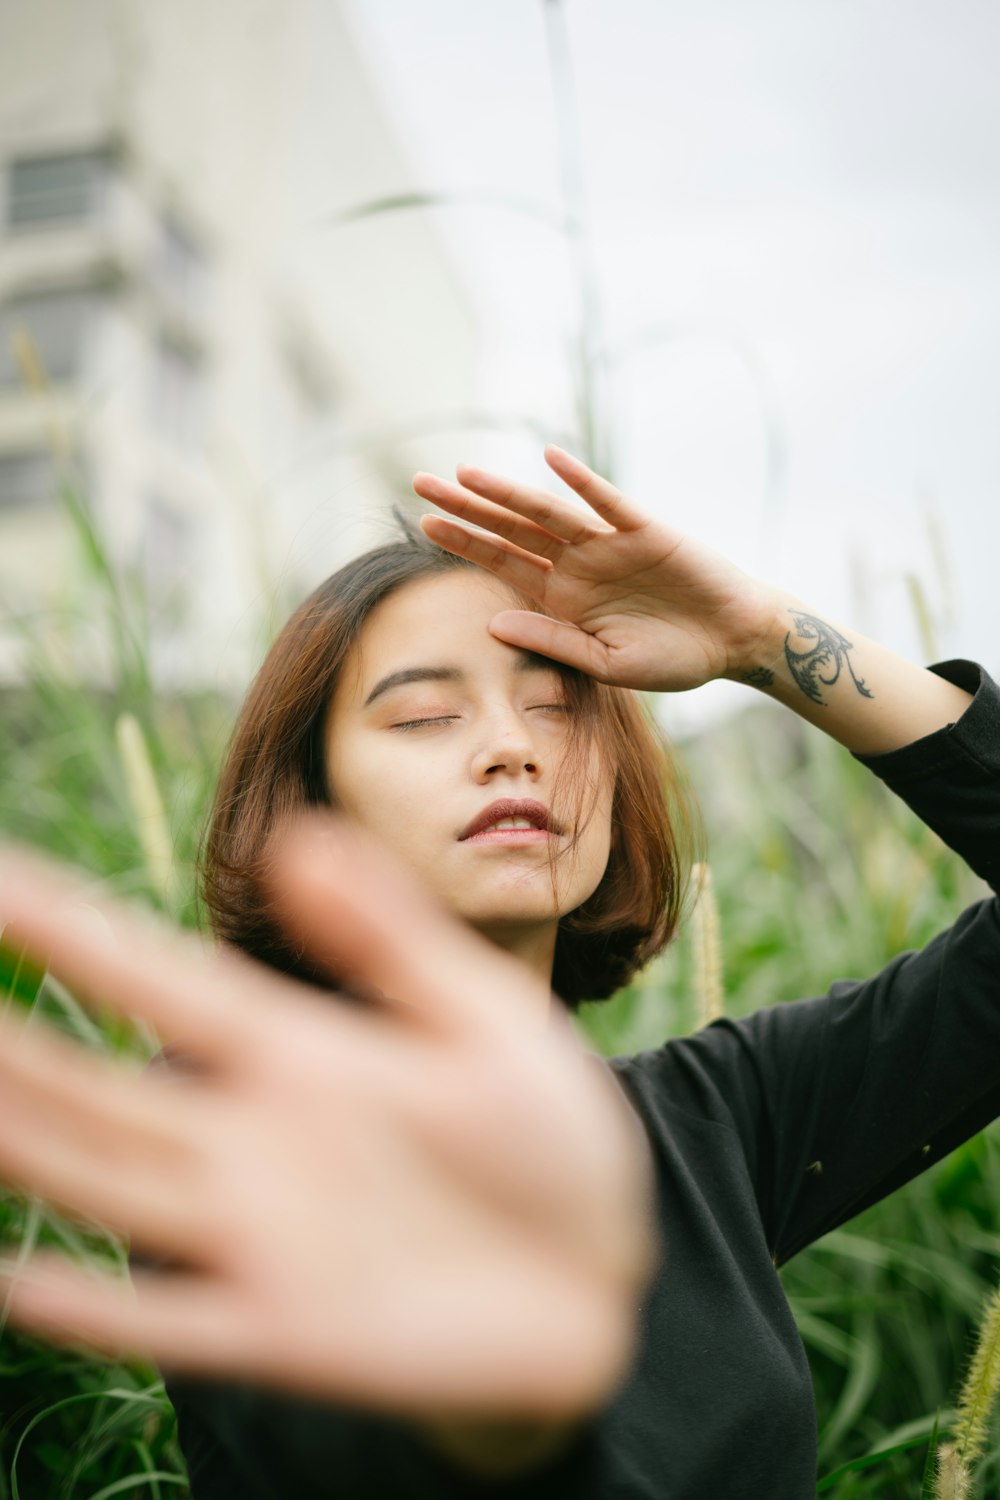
column 819, row 874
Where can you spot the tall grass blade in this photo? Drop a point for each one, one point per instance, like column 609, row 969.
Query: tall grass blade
column 134, row 1482
column 147, row 809
column 979, row 1390
column 130, row 1398
column 529, row 208
column 923, row 615
column 595, row 435
column 21, row 978
column 707, row 949
column 868, row 1461
column 930, row 1463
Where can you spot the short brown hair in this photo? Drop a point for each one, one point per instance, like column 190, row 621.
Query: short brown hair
column 276, row 765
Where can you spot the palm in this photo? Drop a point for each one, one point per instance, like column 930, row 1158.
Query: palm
column 634, row 602
column 446, row 1239
column 435, row 1206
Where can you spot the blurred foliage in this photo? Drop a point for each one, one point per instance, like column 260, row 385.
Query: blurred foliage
column 818, row 873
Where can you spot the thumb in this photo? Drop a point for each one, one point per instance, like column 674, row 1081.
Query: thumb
column 555, row 638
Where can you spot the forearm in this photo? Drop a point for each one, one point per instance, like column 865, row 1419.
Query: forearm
column 859, row 692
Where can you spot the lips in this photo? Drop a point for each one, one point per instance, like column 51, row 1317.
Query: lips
column 507, row 807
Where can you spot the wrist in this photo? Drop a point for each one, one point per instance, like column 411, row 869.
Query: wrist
column 498, row 1450
column 860, row 693
column 759, row 659
column 504, row 1446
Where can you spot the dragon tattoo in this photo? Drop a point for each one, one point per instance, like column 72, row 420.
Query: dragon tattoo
column 821, row 664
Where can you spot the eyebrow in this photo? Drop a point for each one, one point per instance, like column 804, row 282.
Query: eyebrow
column 525, row 661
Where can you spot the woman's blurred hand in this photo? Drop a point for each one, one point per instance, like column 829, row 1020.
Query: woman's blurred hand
column 636, row 603
column 437, row 1206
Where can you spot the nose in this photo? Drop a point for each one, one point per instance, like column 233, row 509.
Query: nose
column 507, row 749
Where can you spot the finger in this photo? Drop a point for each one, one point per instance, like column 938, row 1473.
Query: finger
column 124, row 960
column 170, row 1320
column 559, row 518
column 357, row 909
column 152, row 1210
column 191, row 1326
column 600, row 495
column 67, row 1085
column 216, row 1006
column 495, row 518
column 109, row 1148
column 554, row 638
column 522, row 570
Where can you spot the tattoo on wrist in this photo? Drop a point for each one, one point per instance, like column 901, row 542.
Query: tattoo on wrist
column 821, row 664
column 758, row 677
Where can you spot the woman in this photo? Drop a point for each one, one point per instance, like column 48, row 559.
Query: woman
column 488, row 1260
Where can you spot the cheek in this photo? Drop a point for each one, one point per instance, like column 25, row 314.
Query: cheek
column 599, row 849
column 356, row 780
column 385, row 793
column 594, row 849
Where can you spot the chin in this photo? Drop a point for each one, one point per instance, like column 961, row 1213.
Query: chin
column 496, row 918
column 537, row 910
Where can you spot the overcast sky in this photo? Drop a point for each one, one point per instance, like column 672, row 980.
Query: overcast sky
column 797, row 205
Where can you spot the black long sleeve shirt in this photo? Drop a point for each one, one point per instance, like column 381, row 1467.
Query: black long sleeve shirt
column 766, row 1132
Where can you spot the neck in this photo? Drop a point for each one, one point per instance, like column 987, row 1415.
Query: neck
column 535, row 947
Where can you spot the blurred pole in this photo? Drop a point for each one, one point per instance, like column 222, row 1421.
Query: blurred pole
column 591, row 415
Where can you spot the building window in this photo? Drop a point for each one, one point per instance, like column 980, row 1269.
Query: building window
column 27, row 481
column 58, row 322
column 54, row 189
column 178, row 392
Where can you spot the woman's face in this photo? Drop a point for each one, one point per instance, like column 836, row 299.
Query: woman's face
column 446, row 743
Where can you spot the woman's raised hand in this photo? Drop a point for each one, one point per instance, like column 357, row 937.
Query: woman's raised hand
column 437, row 1205
column 636, row 603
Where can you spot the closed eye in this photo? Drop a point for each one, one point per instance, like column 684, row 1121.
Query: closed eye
column 408, row 724
column 421, row 723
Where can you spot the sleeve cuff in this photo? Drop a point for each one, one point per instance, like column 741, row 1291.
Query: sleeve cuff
column 972, row 741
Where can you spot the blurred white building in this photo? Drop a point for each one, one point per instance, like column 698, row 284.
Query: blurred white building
column 242, row 382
